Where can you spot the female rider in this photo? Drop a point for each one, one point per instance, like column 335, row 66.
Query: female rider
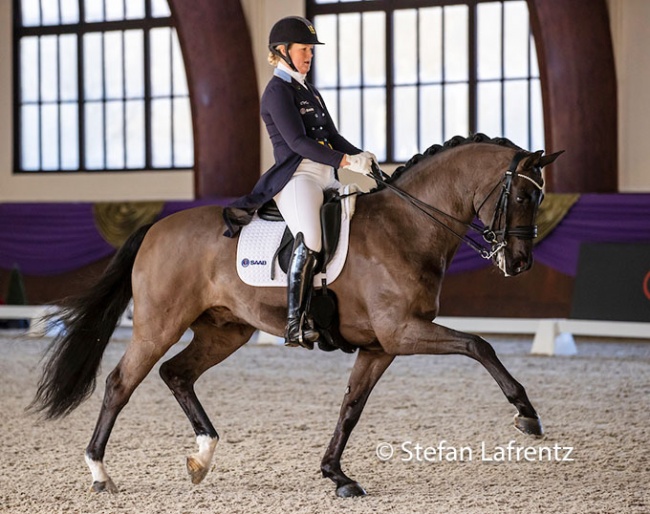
column 307, row 150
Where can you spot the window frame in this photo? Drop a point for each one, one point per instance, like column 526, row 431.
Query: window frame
column 314, row 9
column 79, row 29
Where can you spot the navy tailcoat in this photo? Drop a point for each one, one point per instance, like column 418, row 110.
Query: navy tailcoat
column 300, row 127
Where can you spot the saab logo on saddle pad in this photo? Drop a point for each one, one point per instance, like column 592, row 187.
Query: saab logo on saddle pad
column 246, row 262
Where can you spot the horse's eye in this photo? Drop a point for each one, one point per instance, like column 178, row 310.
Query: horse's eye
column 522, row 198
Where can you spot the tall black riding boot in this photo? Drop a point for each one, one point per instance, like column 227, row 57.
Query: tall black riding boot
column 299, row 332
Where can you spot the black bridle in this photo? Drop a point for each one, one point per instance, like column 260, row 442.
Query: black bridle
column 492, row 234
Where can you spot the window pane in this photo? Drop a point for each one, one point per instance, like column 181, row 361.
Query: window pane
column 405, row 46
column 69, row 11
column 516, row 112
column 134, row 64
column 49, row 69
column 68, row 58
column 489, row 109
column 160, row 62
column 516, row 39
column 374, row 49
column 456, row 110
column 30, row 137
column 160, row 9
column 94, row 10
column 350, row 56
column 115, row 135
column 489, row 40
column 330, row 99
column 183, row 141
column 50, row 135
column 180, row 78
column 30, row 13
column 69, row 137
column 350, row 115
column 94, row 135
column 135, row 138
column 374, row 121
column 50, row 12
column 114, row 10
column 29, row 83
column 405, row 123
column 537, row 116
column 93, row 70
column 431, row 44
column 534, row 65
column 456, row 43
column 161, row 126
column 325, row 56
column 113, row 65
column 430, row 116
column 135, row 9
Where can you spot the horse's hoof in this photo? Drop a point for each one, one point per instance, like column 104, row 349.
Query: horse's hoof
column 196, row 470
column 351, row 490
column 103, row 487
column 529, row 426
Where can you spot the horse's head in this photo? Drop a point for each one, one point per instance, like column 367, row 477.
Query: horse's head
column 509, row 210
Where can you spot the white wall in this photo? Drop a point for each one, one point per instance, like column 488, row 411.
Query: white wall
column 630, row 38
column 629, row 22
column 261, row 15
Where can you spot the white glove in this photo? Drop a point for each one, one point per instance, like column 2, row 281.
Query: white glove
column 360, row 163
column 370, row 155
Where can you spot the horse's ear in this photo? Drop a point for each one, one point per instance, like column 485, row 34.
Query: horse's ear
column 548, row 159
column 532, row 160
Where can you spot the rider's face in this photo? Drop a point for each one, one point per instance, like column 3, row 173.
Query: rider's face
column 301, row 56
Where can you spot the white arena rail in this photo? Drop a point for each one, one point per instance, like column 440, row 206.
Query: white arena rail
column 551, row 336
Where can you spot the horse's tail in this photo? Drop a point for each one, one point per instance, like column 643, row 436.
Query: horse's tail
column 88, row 321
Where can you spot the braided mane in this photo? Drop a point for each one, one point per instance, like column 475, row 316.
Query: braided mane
column 452, row 143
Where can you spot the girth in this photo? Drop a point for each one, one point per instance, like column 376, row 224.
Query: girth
column 330, row 218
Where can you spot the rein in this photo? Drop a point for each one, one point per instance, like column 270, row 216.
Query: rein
column 489, row 233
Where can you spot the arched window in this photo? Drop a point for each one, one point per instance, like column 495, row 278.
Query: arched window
column 401, row 75
column 99, row 85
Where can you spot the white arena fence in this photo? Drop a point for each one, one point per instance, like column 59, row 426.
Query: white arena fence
column 551, row 336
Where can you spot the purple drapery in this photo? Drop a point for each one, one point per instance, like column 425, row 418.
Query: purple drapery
column 54, row 238
column 595, row 218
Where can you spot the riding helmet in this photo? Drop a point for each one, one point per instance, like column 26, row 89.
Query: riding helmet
column 293, row 29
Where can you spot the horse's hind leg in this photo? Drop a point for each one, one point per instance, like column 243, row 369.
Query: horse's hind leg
column 210, row 346
column 137, row 361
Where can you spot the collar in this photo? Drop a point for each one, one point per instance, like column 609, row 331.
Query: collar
column 285, row 73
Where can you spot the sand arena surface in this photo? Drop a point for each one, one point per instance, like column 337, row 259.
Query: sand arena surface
column 275, row 409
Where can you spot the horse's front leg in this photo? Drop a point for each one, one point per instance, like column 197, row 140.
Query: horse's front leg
column 367, row 370
column 423, row 337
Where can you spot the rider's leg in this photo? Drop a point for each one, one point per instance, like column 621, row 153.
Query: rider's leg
column 300, row 202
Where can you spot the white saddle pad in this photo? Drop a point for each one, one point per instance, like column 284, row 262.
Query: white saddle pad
column 259, row 240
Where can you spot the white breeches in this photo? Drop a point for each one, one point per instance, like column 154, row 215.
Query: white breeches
column 301, row 199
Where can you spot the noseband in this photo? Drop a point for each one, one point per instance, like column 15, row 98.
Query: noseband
column 493, row 235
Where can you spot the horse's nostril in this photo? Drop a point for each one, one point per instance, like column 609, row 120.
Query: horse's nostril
column 522, row 265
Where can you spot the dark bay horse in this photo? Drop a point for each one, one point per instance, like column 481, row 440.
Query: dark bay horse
column 181, row 274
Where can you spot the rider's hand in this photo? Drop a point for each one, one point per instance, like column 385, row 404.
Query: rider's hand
column 370, row 155
column 359, row 163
